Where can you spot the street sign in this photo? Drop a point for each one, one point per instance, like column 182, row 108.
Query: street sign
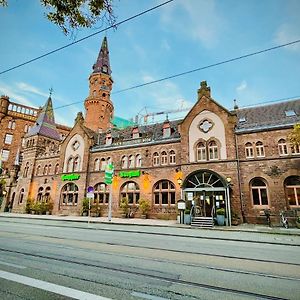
column 90, row 195
column 109, row 173
column 90, row 189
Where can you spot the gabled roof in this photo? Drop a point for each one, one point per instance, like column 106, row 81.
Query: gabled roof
column 103, row 59
column 45, row 124
column 268, row 116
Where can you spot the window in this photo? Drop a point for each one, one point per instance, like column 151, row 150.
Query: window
column 164, row 193
column 40, row 194
column 26, row 169
column 108, row 140
column 8, row 138
column 69, row 195
column 101, row 193
column 290, row 113
column 201, row 151
column 135, row 133
column 11, row 124
column 166, row 130
column 138, row 161
column 164, row 158
column 97, row 164
column 21, row 196
column 282, row 147
column 155, row 159
column 249, row 150
column 26, row 128
column 131, row 161
column 213, row 150
column 260, row 152
column 76, row 164
column 295, row 149
column 70, row 165
column 45, row 172
column 292, row 190
column 47, row 194
column 124, row 162
column 172, row 157
column 259, row 192
column 131, row 191
column 38, row 170
column 49, row 169
column 102, row 164
column 5, row 155
column 56, row 170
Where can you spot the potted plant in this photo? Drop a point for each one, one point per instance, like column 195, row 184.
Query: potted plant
column 124, row 205
column 144, row 206
column 85, row 206
column 220, row 216
column 49, row 207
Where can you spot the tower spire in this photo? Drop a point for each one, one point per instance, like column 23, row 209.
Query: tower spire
column 102, row 64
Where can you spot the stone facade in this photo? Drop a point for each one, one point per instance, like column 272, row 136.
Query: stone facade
column 214, row 158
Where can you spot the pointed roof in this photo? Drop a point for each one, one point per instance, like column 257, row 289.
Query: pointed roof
column 102, row 64
column 45, row 124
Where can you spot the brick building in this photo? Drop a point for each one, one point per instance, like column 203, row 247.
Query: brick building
column 214, row 158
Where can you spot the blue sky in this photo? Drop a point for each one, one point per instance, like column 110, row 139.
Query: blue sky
column 181, row 36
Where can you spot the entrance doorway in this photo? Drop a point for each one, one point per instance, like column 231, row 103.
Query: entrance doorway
column 205, row 192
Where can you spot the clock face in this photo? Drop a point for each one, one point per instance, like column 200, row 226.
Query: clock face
column 104, row 87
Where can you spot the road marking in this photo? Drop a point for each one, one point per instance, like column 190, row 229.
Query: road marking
column 50, row 287
column 11, row 265
column 147, row 296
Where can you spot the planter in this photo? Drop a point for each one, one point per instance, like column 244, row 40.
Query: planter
column 187, row 219
column 221, row 220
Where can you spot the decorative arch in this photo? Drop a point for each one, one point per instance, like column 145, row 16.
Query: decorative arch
column 131, row 191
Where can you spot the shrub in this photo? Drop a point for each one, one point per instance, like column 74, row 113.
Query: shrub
column 124, row 205
column 220, row 211
column 144, row 206
column 85, row 205
column 29, row 205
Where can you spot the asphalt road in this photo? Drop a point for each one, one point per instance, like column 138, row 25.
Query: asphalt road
column 42, row 259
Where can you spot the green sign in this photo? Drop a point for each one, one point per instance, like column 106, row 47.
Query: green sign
column 129, row 174
column 70, row 177
column 109, row 173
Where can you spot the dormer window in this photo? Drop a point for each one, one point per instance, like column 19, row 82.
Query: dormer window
column 242, row 119
column 166, row 129
column 108, row 140
column 135, row 133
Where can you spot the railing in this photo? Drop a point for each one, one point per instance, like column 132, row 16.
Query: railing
column 16, row 109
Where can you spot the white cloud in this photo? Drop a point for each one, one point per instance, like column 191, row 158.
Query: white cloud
column 288, row 33
column 194, row 18
column 31, row 89
column 242, row 86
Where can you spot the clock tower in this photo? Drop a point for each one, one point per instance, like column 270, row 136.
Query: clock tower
column 98, row 106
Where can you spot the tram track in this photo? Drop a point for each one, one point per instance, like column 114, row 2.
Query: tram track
column 135, row 272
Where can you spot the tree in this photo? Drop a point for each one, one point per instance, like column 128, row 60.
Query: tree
column 75, row 14
column 294, row 136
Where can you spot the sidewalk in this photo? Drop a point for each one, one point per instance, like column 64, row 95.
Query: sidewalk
column 155, row 222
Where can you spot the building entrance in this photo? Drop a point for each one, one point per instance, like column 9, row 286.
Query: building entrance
column 205, row 192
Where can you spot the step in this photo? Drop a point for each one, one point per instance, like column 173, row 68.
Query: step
column 205, row 222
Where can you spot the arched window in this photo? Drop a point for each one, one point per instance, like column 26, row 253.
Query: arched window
column 38, row 170
column 9, row 124
column 49, row 169
column 131, row 191
column 102, row 164
column 45, row 170
column 138, row 161
column 282, row 147
column 97, row 164
column 76, row 164
column 164, row 158
column 260, row 152
column 26, row 169
column 69, row 194
column 172, row 157
column 47, row 194
column 70, row 165
column 101, row 193
column 259, row 192
column 131, row 161
column 164, row 193
column 56, row 169
column 213, row 150
column 13, row 126
column 21, row 196
column 124, row 162
column 295, row 149
column 155, row 159
column 249, row 150
column 39, row 196
column 201, row 151
column 292, row 190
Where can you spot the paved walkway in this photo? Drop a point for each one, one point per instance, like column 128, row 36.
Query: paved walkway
column 155, row 222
